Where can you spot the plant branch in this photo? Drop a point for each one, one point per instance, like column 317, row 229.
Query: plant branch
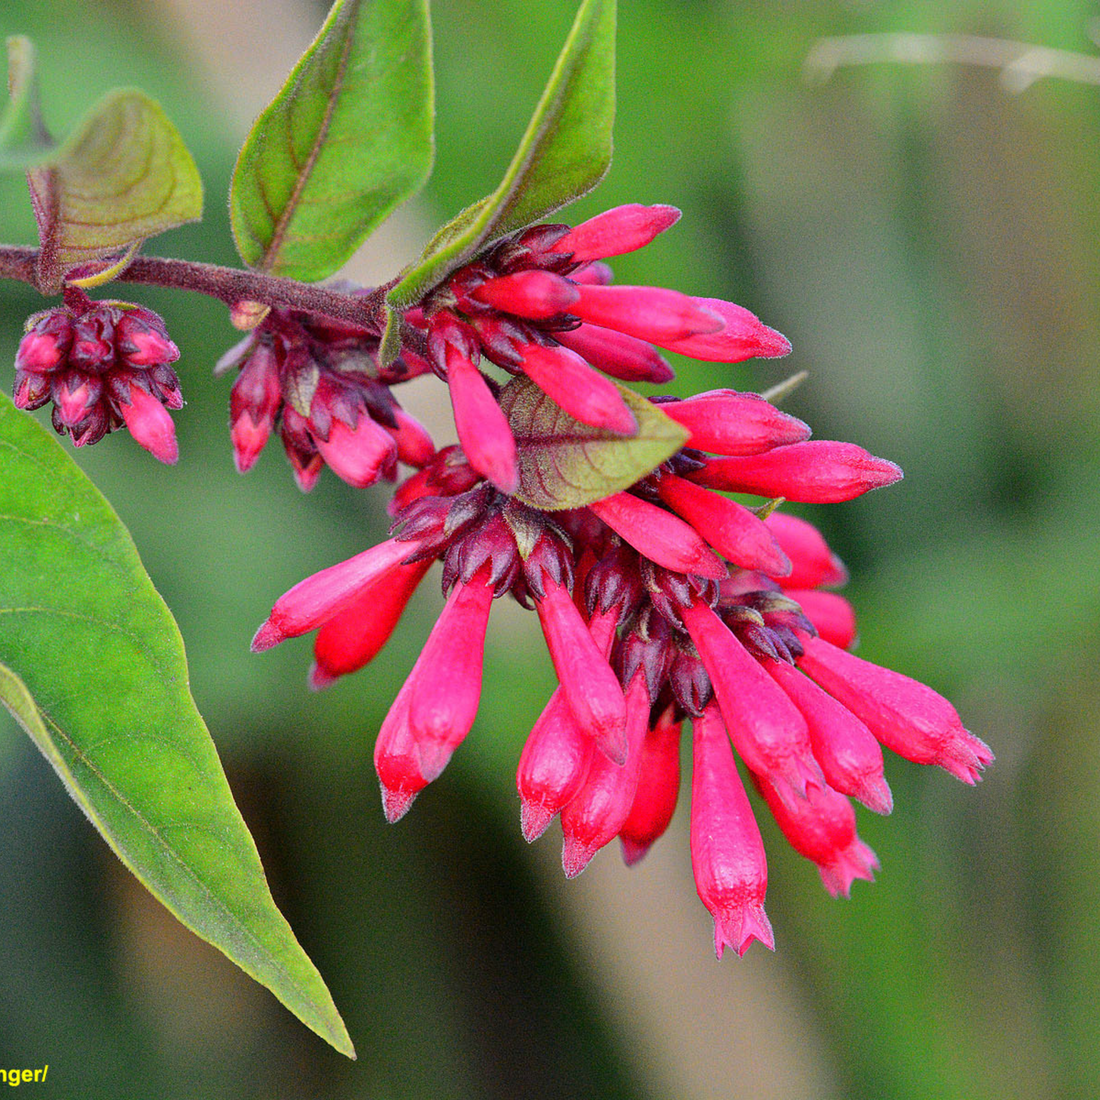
column 1020, row 63
column 227, row 284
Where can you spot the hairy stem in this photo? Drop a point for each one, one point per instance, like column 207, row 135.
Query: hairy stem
column 227, row 284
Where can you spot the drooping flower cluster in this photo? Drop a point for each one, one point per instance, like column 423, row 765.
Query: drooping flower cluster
column 318, row 383
column 103, row 365
column 662, row 602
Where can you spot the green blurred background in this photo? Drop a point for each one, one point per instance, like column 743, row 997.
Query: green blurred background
column 927, row 240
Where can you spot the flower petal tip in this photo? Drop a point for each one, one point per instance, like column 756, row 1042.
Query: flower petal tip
column 966, row 757
column 319, row 678
column 612, row 742
column 575, row 856
column 534, row 820
column 633, row 852
column 856, row 861
column 877, row 473
column 738, row 926
column 773, row 345
column 433, row 756
column 396, row 803
column 877, row 796
column 266, row 637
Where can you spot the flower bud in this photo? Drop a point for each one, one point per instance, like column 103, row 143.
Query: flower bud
column 905, row 715
column 767, row 729
column 658, row 788
column 727, row 853
column 621, row 229
column 553, row 766
column 819, row 471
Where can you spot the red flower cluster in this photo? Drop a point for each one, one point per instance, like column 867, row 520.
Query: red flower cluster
column 103, row 365
column 663, row 602
column 539, row 304
column 318, row 382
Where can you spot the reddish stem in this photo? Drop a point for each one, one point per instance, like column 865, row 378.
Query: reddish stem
column 227, row 284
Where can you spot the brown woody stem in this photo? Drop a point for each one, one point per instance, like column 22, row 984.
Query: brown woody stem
column 227, row 284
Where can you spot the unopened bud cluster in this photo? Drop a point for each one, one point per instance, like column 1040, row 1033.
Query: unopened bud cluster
column 102, row 367
column 317, row 383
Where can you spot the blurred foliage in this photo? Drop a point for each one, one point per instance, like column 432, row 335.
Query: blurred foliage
column 928, row 243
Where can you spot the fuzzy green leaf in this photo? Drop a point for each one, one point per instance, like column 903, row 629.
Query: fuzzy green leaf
column 92, row 666
column 347, row 139
column 124, row 174
column 24, row 141
column 565, row 152
column 566, row 464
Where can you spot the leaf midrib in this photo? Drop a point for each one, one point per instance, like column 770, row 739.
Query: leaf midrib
column 282, row 225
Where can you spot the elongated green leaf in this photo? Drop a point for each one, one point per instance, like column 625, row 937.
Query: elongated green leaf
column 347, row 139
column 94, row 670
column 566, row 464
column 565, row 152
column 24, row 141
column 124, row 174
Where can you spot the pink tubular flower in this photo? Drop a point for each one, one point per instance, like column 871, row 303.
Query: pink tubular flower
column 617, row 354
column 623, row 229
column 253, row 406
column 906, row 716
column 731, row 423
column 320, row 597
column 481, row 425
column 597, row 813
column 536, row 295
column 766, row 727
column 657, row 790
column 588, row 685
column 741, row 336
column 357, row 454
column 735, row 532
column 552, row 767
column 663, row 317
column 818, row 471
column 150, row 424
column 659, row 535
column 445, row 685
column 727, row 854
column 578, row 388
column 822, row 827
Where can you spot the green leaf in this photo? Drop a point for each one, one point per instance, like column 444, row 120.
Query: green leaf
column 565, row 152
column 24, row 141
column 124, row 174
column 566, row 464
column 93, row 668
column 347, row 139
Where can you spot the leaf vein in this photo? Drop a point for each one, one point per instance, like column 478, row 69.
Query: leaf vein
column 282, row 225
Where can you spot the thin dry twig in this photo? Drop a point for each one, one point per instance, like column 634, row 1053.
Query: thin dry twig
column 1020, row 63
